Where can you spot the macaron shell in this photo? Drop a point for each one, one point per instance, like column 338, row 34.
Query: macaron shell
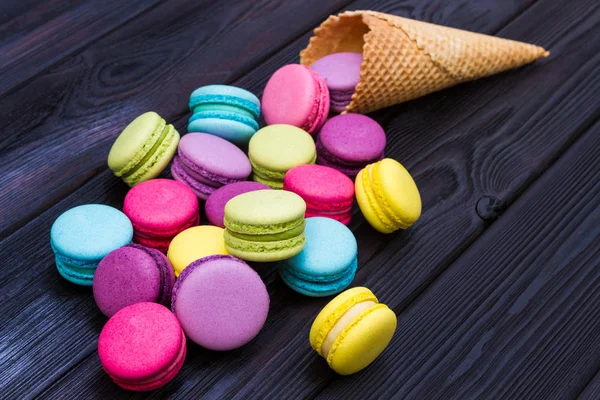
column 140, row 342
column 195, row 243
column 89, row 232
column 281, row 147
column 161, row 207
column 135, row 140
column 334, row 310
column 353, row 138
column 157, row 160
column 341, row 71
column 214, row 156
column 221, row 302
column 132, row 274
column 226, row 95
column 330, row 250
column 74, row 274
column 361, row 342
column 215, row 204
column 398, row 189
column 319, row 289
column 289, row 96
column 233, row 131
column 264, row 207
column 323, row 189
column 365, row 197
column 169, row 374
column 264, row 251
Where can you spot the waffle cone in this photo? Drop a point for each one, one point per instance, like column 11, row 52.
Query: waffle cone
column 404, row 59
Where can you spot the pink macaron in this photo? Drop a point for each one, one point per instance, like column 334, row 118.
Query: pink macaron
column 142, row 347
column 132, row 274
column 326, row 191
column 296, row 95
column 349, row 142
column 221, row 302
column 159, row 209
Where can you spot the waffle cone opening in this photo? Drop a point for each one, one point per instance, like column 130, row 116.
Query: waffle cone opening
column 404, row 59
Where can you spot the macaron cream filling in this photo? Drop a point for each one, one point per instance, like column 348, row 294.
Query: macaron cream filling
column 154, row 156
column 205, row 175
column 266, row 229
column 328, row 156
column 164, row 134
column 344, row 323
column 234, row 116
column 210, row 99
column 166, row 233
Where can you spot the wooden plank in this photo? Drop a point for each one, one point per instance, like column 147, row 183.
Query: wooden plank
column 37, row 34
column 39, row 309
column 592, row 390
column 486, row 138
column 223, row 374
column 516, row 316
column 73, row 112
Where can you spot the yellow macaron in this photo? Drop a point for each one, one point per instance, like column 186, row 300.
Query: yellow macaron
column 193, row 244
column 352, row 330
column 388, row 196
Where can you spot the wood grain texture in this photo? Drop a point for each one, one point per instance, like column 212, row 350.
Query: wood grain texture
column 37, row 34
column 215, row 374
column 73, row 112
column 517, row 316
column 592, row 390
column 488, row 138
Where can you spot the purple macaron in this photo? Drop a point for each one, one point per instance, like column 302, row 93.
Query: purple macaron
column 215, row 204
column 349, row 142
column 207, row 162
column 341, row 72
column 221, row 302
column 132, row 274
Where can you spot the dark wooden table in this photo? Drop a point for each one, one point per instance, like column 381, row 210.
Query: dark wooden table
column 496, row 288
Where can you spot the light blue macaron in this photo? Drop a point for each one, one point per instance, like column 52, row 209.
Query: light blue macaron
column 226, row 111
column 328, row 262
column 82, row 236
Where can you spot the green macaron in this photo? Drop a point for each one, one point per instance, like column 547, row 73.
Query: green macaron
column 144, row 149
column 275, row 149
column 265, row 225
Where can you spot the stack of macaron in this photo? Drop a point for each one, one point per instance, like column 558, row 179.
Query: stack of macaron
column 226, row 111
column 270, row 195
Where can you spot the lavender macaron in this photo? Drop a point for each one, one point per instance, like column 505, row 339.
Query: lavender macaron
column 132, row 274
column 349, row 142
column 207, row 162
column 215, row 204
column 341, row 72
column 221, row 302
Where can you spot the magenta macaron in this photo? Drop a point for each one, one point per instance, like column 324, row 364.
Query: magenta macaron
column 349, row 142
column 132, row 274
column 142, row 347
column 221, row 302
column 207, row 162
column 326, row 191
column 296, row 95
column 159, row 209
column 341, row 72
column 215, row 204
